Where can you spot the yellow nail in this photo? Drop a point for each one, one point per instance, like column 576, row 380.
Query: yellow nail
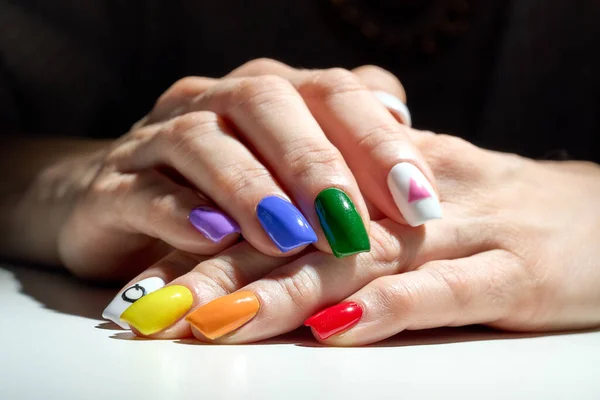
column 225, row 314
column 159, row 310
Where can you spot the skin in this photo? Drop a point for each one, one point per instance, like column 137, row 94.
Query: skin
column 220, row 143
column 512, row 252
column 515, row 249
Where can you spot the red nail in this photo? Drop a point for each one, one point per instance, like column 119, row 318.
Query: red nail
column 334, row 320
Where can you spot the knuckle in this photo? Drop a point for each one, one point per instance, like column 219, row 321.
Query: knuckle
column 374, row 69
column 261, row 65
column 516, row 286
column 455, row 281
column 182, row 88
column 112, row 184
column 140, row 134
column 378, row 137
column 222, row 275
column 308, row 158
column 383, row 76
column 162, row 208
column 300, row 286
column 262, row 91
column 386, row 247
column 237, row 180
column 330, row 82
column 398, row 300
column 189, row 127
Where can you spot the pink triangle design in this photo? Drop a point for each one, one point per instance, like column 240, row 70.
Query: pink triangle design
column 417, row 192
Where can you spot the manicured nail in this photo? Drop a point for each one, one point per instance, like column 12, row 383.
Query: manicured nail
column 159, row 310
column 413, row 194
column 284, row 223
column 212, row 223
column 225, row 314
column 334, row 320
column 341, row 223
column 395, row 105
column 128, row 296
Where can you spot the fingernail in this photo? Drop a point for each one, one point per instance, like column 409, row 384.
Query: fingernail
column 334, row 320
column 212, row 223
column 413, row 194
column 159, row 310
column 395, row 105
column 341, row 223
column 128, row 296
column 284, row 223
column 225, row 314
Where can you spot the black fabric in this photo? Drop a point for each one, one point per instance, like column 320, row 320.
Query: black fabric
column 523, row 78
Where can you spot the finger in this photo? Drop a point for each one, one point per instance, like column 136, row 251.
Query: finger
column 200, row 146
column 149, row 204
column 154, row 278
column 160, row 315
column 266, row 66
column 272, row 117
column 377, row 148
column 177, row 99
column 376, row 78
column 284, row 298
column 386, row 87
column 480, row 289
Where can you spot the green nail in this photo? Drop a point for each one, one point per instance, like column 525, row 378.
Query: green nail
column 341, row 223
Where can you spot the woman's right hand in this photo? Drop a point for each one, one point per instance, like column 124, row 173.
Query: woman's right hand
column 275, row 153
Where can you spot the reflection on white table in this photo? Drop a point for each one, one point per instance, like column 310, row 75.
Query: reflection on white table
column 54, row 345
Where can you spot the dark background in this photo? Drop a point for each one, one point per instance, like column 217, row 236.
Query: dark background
column 520, row 75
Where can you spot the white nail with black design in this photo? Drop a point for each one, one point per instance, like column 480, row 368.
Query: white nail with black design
column 128, row 296
column 413, row 194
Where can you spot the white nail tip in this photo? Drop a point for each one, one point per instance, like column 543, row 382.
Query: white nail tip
column 413, row 194
column 395, row 105
column 128, row 296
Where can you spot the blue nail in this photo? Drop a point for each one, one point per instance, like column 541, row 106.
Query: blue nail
column 284, row 223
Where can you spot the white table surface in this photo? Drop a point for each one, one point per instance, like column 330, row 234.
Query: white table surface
column 54, row 345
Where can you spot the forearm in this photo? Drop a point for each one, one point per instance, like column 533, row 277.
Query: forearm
column 41, row 179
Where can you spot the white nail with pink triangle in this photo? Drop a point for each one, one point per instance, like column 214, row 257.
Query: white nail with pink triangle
column 413, row 194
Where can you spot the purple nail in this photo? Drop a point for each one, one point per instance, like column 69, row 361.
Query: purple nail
column 212, row 223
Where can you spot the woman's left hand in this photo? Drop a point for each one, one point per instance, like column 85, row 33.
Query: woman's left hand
column 517, row 249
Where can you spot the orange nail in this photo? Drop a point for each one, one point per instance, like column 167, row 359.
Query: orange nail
column 225, row 314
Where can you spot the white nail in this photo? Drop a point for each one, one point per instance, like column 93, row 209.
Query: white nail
column 395, row 105
column 128, row 296
column 413, row 194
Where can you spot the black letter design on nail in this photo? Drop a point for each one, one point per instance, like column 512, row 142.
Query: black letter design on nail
column 136, row 287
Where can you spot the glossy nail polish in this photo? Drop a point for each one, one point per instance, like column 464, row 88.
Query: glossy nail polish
column 284, row 223
column 159, row 310
column 128, row 296
column 341, row 223
column 225, row 314
column 213, row 223
column 334, row 320
column 413, row 194
column 395, row 105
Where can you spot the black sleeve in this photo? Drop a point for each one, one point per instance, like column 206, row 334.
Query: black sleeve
column 69, row 68
column 545, row 88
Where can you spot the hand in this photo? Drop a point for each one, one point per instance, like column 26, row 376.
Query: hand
column 263, row 152
column 517, row 249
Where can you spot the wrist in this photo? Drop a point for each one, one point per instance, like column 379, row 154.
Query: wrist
column 45, row 184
